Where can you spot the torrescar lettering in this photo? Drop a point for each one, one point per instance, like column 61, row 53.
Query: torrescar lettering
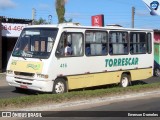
column 35, row 67
column 121, row 62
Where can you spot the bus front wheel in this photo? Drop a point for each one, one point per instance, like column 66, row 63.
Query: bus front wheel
column 59, row 86
column 125, row 79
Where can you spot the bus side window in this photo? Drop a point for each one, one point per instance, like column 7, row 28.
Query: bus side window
column 149, row 43
column 142, row 48
column 138, row 43
column 96, row 43
column 104, row 49
column 125, row 48
column 70, row 44
column 77, row 43
column 131, row 48
column 118, row 43
column 96, row 49
column 88, row 49
column 110, row 49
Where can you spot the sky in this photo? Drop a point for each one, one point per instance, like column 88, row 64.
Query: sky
column 80, row 11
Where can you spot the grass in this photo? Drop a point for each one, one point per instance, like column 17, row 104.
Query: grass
column 22, row 102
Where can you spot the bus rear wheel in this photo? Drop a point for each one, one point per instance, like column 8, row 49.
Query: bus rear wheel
column 125, row 80
column 59, row 86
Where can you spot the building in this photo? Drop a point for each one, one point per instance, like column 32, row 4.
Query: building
column 9, row 33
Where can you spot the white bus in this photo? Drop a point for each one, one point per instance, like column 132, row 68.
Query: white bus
column 99, row 56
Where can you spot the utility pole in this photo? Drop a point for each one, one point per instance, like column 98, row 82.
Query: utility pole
column 49, row 19
column 33, row 15
column 133, row 13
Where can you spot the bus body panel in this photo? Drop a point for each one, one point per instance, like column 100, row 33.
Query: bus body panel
column 83, row 65
column 26, row 66
column 93, row 71
column 38, row 85
column 97, row 79
column 25, row 74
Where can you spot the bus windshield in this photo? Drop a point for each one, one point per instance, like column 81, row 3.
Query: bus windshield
column 35, row 43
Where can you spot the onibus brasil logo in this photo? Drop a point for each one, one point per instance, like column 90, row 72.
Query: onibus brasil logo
column 154, row 5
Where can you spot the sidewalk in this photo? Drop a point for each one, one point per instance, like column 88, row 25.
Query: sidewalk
column 3, row 80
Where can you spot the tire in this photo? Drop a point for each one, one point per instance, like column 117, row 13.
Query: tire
column 59, row 86
column 125, row 80
column 157, row 72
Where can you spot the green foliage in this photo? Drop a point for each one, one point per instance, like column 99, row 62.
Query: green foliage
column 40, row 21
column 70, row 20
column 60, row 9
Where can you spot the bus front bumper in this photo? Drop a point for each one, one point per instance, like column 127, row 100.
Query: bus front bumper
column 38, row 85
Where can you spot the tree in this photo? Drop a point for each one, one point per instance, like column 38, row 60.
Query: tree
column 40, row 21
column 60, row 9
column 67, row 21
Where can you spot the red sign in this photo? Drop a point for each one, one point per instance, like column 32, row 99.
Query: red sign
column 157, row 37
column 98, row 20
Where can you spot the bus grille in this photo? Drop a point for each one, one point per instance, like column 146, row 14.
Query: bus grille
column 24, row 74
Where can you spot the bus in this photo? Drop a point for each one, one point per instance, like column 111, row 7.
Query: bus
column 157, row 53
column 99, row 56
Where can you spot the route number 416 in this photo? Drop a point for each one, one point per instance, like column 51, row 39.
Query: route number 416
column 63, row 65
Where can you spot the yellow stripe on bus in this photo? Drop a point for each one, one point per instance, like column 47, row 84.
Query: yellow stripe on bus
column 26, row 66
column 89, row 80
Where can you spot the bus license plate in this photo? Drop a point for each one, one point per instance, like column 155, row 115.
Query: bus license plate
column 23, row 86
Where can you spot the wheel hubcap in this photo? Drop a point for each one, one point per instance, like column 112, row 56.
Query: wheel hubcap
column 124, row 82
column 59, row 87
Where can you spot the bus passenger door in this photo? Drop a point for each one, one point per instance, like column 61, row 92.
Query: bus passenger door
column 70, row 53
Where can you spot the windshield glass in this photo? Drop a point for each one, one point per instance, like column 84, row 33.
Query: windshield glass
column 35, row 43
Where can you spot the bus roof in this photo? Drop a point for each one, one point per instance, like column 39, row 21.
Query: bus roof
column 76, row 25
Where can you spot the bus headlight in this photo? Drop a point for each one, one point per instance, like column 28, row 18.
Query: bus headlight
column 9, row 72
column 42, row 76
